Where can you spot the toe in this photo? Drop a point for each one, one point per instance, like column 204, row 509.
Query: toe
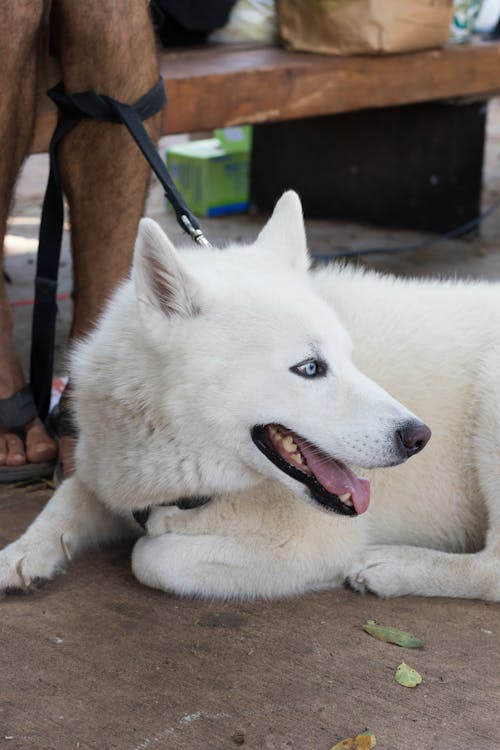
column 39, row 446
column 16, row 455
column 3, row 449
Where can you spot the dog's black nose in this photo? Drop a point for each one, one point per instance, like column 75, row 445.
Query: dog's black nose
column 412, row 437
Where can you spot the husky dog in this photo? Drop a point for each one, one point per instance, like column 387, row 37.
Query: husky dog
column 229, row 400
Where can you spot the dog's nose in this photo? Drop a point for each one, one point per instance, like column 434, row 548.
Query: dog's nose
column 412, row 437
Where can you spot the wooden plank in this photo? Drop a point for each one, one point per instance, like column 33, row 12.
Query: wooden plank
column 226, row 87
column 212, row 87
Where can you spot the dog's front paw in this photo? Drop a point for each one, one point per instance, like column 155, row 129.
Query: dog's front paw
column 24, row 565
column 385, row 570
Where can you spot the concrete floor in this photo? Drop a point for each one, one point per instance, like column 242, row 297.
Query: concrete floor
column 95, row 660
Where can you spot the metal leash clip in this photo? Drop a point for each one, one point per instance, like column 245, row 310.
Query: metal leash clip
column 195, row 234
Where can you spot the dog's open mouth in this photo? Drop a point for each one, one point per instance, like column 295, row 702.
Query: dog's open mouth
column 331, row 483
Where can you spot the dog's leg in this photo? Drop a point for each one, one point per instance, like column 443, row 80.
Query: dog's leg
column 388, row 570
column 186, row 552
column 72, row 520
column 207, row 565
column 202, row 555
column 223, row 567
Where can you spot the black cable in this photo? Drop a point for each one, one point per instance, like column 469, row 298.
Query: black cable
column 412, row 246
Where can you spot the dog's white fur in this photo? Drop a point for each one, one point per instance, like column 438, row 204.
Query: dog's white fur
column 196, row 349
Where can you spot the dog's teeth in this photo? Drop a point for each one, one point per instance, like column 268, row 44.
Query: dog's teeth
column 346, row 498
column 272, row 431
column 297, row 457
column 289, row 445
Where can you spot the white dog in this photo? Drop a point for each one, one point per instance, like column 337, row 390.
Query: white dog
column 220, row 401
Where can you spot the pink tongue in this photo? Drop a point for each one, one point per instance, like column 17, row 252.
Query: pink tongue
column 336, row 477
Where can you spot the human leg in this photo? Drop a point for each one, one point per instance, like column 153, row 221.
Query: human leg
column 108, row 47
column 111, row 49
column 18, row 74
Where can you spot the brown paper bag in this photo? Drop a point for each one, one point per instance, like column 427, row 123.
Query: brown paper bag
column 345, row 27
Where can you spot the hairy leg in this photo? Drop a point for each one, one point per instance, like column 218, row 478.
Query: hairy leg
column 19, row 36
column 108, row 47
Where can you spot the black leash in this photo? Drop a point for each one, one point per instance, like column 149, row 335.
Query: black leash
column 74, row 108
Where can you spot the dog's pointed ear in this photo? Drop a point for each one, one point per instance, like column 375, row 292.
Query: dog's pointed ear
column 162, row 283
column 284, row 235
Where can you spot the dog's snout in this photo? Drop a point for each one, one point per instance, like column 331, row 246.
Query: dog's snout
column 412, row 437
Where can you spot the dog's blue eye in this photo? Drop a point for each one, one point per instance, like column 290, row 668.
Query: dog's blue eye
column 310, row 368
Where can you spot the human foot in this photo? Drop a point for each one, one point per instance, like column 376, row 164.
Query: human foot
column 36, row 447
column 26, row 450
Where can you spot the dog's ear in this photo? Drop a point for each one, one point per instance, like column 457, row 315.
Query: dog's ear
column 284, row 235
column 162, row 283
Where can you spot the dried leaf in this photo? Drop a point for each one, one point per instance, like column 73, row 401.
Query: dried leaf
column 392, row 635
column 364, row 741
column 407, row 676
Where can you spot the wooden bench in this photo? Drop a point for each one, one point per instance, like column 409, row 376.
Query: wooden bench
column 221, row 86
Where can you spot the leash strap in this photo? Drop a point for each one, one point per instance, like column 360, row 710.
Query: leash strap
column 74, row 108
